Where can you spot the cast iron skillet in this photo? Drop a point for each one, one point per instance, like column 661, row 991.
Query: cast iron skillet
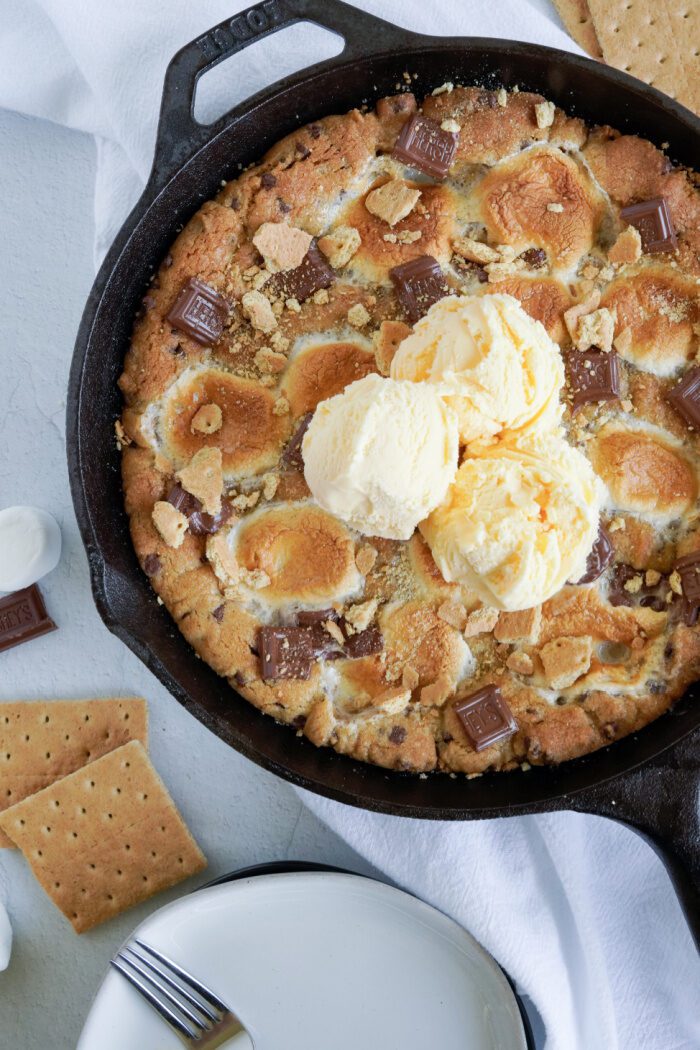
column 649, row 780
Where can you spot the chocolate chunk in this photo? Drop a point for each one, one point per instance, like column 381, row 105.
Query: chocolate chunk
column 285, row 652
column 688, row 568
column 418, row 285
column 486, row 717
column 593, row 376
column 23, row 616
column 291, row 458
column 151, row 564
column 315, row 131
column 283, row 206
column 218, row 613
column 310, row 276
column 201, row 524
column 199, row 312
column 303, row 150
column 397, row 735
column 653, row 220
column 653, row 601
column 470, row 269
column 364, row 643
column 309, row 617
column 685, row 397
column 689, row 612
column 323, row 644
column 600, row 557
column 535, row 258
column 621, row 574
column 424, row 145
column 267, row 181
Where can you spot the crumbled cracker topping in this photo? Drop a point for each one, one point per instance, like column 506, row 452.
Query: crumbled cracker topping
column 340, row 245
column 360, row 616
column 627, row 249
column 454, row 613
column 203, row 478
column 170, row 523
column 358, row 316
column 392, row 202
column 481, row 621
column 365, row 559
column 259, row 312
column 544, row 114
column 207, row 420
column 566, row 659
column 520, row 662
column 282, row 247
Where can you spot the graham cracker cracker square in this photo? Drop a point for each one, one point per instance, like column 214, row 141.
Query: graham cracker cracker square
column 44, row 740
column 104, row 838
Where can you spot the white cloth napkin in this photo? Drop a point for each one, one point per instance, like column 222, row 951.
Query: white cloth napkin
column 577, row 909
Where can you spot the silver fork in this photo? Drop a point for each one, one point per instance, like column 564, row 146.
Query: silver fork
column 192, row 1010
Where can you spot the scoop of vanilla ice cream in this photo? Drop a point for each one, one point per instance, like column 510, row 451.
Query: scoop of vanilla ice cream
column 518, row 522
column 381, row 455
column 495, row 365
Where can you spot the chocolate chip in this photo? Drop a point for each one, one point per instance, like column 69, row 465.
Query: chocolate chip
column 315, row 131
column 669, row 651
column 177, row 350
column 487, row 100
column 291, row 458
column 235, row 204
column 364, row 643
column 397, row 735
column 600, row 557
column 218, row 613
column 267, row 181
column 656, row 687
column 311, row 275
column 653, row 220
column 168, row 261
column 486, row 717
column 283, row 206
column 419, row 284
column 688, row 568
column 685, row 397
column 285, row 652
column 593, row 376
column 151, row 564
column 535, row 258
column 199, row 312
column 299, row 722
column 303, row 150
column 239, row 678
column 391, row 105
column 470, row 269
column 424, row 145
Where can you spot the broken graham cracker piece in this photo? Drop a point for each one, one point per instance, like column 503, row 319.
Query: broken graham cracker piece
column 206, row 420
column 481, row 621
column 104, row 838
column 42, row 741
column 203, row 478
column 544, row 114
column 283, row 247
column 358, row 316
column 340, row 245
column 566, row 659
column 259, row 312
column 577, row 20
column 392, row 202
column 387, row 339
column 520, row 662
column 435, row 694
column 596, row 329
column 410, row 678
column 365, row 559
column 627, row 249
column 475, row 251
column 454, row 613
column 522, row 626
column 360, row 616
column 170, row 523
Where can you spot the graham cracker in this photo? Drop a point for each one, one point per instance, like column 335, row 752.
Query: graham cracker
column 576, row 16
column 657, row 43
column 42, row 741
column 104, row 838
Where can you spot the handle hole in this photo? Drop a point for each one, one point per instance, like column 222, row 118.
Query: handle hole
column 271, row 58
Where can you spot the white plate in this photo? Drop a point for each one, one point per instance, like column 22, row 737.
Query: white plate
column 320, row 961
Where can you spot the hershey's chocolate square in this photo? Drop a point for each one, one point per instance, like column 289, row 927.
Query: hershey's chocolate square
column 285, row 652
column 364, row 643
column 424, row 145
column 653, row 220
column 418, row 285
column 310, row 276
column 23, row 616
column 600, row 557
column 688, row 568
column 593, row 376
column 199, row 312
column 201, row 524
column 685, row 397
column 486, row 717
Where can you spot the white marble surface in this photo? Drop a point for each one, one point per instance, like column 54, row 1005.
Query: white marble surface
column 240, row 814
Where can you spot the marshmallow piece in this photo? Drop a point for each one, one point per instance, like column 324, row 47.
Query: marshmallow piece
column 5, row 939
column 30, row 546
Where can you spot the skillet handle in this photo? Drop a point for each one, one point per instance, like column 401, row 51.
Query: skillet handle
column 661, row 802
column 180, row 135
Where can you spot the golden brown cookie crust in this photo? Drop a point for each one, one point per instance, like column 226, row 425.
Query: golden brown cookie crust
column 278, row 552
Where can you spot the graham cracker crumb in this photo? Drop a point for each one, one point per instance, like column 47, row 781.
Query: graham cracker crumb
column 444, row 89
column 617, row 524
column 365, row 559
column 259, row 312
column 270, row 486
column 360, row 616
column 475, row 251
column 481, row 621
column 596, row 329
column 502, row 97
column 410, row 678
column 454, row 613
column 270, row 361
column 340, row 245
column 334, row 631
column 566, row 659
column 627, row 249
column 203, row 478
column 520, row 662
column 521, row 626
column 435, row 694
column 207, row 420
column 675, row 582
column 555, row 206
column 358, row 316
column 280, row 407
column 652, row 577
column 544, row 114
column 633, row 585
column 282, row 247
column 451, row 126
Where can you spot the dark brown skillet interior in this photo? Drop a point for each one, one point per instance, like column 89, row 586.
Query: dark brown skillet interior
column 122, row 592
